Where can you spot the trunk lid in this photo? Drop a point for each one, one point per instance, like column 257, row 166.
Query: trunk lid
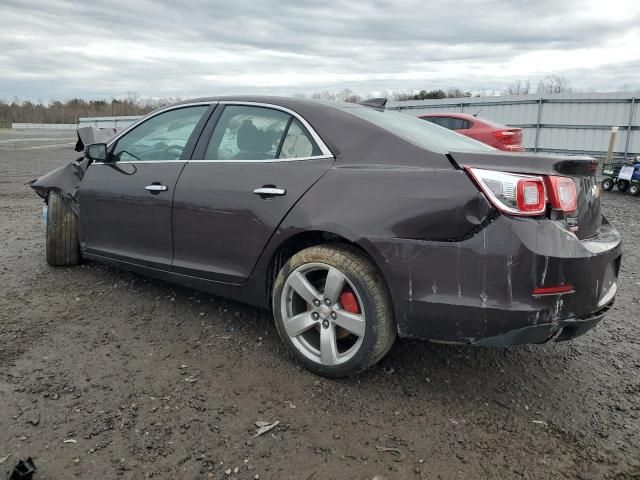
column 587, row 219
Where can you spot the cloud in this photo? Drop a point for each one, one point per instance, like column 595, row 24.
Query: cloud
column 66, row 49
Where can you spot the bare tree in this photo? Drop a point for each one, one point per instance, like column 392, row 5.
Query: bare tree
column 399, row 96
column 554, row 84
column 348, row 95
column 455, row 92
column 325, row 95
column 518, row 87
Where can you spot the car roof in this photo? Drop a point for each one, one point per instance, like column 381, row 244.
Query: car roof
column 287, row 102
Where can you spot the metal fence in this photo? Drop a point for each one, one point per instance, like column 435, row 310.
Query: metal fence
column 48, row 126
column 97, row 122
column 107, row 122
column 569, row 123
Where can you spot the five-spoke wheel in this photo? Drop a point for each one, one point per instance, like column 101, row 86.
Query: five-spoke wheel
column 315, row 319
column 332, row 310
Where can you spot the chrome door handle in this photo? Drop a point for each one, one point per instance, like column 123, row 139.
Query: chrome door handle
column 156, row 188
column 269, row 191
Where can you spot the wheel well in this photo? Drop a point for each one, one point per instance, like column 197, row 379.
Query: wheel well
column 299, row 242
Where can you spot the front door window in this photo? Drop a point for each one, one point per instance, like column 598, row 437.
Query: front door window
column 162, row 137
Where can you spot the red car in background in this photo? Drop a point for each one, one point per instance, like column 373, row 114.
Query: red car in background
column 486, row 131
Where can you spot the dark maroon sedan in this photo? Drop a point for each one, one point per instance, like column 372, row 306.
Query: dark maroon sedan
column 353, row 224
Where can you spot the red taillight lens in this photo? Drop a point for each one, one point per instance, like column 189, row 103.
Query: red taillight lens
column 511, row 193
column 530, row 195
column 562, row 193
column 508, row 137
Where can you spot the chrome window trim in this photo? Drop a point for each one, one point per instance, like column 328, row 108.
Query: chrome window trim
column 270, row 160
column 326, row 153
column 139, row 161
column 273, row 160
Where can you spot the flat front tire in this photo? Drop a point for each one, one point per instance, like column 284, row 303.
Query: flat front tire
column 62, row 232
column 332, row 310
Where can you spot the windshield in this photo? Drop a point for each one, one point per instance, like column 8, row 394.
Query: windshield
column 424, row 134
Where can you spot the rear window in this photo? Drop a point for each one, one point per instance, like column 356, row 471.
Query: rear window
column 452, row 123
column 424, row 134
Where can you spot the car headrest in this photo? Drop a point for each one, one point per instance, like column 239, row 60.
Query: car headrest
column 251, row 139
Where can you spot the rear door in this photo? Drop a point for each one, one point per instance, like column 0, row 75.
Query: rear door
column 125, row 203
column 252, row 164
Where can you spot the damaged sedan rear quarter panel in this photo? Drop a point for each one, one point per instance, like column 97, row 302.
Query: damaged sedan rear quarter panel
column 457, row 268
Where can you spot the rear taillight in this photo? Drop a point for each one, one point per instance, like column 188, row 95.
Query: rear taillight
column 508, row 137
column 519, row 194
column 530, row 195
column 512, row 193
column 562, row 193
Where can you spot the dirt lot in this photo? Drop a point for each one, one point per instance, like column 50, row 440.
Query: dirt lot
column 107, row 374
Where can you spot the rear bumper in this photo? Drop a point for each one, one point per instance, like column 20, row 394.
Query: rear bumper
column 563, row 330
column 480, row 291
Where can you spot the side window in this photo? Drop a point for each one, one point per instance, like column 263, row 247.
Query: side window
column 247, row 133
column 446, row 122
column 298, row 143
column 458, row 123
column 436, row 120
column 162, row 137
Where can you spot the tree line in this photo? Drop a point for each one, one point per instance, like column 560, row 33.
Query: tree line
column 56, row 111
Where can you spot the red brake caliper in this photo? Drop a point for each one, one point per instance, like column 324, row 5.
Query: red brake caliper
column 349, row 302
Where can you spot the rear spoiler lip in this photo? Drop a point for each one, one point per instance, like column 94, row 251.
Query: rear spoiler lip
column 527, row 163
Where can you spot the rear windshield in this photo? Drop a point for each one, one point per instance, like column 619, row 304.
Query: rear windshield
column 424, row 134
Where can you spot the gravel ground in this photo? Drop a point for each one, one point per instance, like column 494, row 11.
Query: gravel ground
column 107, row 374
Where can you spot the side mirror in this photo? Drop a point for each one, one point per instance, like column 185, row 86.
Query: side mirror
column 96, row 152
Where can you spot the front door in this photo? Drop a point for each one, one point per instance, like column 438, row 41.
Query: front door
column 125, row 203
column 255, row 163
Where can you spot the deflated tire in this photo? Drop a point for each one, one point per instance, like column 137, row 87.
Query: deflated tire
column 62, row 232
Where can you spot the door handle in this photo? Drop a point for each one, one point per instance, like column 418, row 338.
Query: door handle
column 156, row 188
column 270, row 191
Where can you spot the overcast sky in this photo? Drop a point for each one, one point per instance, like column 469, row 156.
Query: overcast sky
column 94, row 48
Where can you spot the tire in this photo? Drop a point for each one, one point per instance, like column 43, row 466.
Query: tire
column 359, row 300
column 622, row 185
column 634, row 189
column 62, row 233
column 607, row 184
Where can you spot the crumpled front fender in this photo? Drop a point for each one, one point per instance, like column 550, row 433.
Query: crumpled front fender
column 65, row 180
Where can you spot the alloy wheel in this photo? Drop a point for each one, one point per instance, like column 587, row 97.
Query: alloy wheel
column 323, row 314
